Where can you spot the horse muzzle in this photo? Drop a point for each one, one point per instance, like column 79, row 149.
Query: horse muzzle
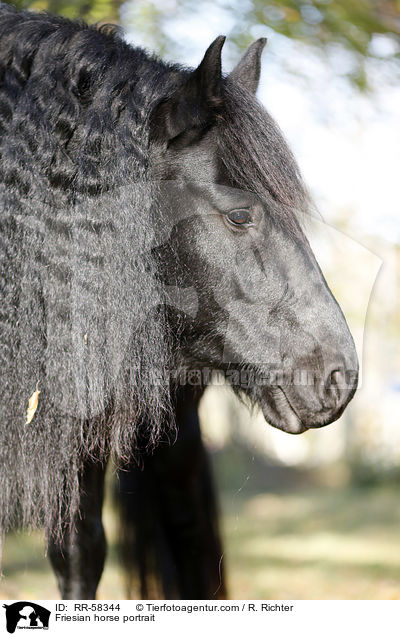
column 295, row 408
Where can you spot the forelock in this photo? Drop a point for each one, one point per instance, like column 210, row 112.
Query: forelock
column 258, row 159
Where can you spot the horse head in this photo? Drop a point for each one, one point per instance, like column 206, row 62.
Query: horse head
column 232, row 202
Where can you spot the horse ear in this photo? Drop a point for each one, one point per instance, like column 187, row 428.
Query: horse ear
column 193, row 104
column 247, row 72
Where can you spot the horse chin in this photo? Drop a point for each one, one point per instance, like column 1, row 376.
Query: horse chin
column 278, row 412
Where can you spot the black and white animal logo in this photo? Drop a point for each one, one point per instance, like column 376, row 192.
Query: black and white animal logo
column 26, row 615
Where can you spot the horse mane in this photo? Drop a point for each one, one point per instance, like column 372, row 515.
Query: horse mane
column 81, row 312
column 80, row 302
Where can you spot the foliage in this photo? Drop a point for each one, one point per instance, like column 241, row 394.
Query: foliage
column 353, row 25
column 90, row 10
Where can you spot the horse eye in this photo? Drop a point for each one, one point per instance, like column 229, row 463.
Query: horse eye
column 239, row 217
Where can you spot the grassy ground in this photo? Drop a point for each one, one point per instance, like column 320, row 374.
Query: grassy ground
column 311, row 543
column 318, row 544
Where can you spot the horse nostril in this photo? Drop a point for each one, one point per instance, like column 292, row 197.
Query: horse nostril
column 335, row 386
column 340, row 386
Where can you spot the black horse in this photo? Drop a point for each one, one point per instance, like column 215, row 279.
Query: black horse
column 150, row 233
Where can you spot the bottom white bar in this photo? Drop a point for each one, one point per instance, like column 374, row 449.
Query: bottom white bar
column 193, row 617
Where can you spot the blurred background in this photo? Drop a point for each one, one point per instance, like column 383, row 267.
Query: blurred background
column 315, row 516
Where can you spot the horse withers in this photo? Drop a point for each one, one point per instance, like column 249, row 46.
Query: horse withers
column 151, row 223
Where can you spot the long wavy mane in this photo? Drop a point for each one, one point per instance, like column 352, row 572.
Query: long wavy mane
column 80, row 305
